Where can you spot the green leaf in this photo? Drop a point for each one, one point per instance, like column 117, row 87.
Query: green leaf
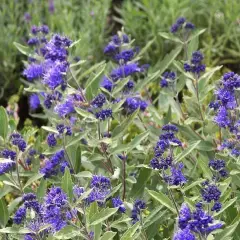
column 74, row 43
column 187, row 151
column 196, row 33
column 168, row 59
column 102, row 216
column 137, row 140
column 68, row 232
column 227, row 232
column 13, row 205
column 74, row 153
column 6, row 160
column 128, row 235
column 142, row 179
column 205, row 169
column 41, row 190
column 119, row 222
column 154, row 216
column 119, row 86
column 141, row 84
column 34, row 178
column 226, row 205
column 163, row 199
column 67, row 184
column 4, row 215
column 85, row 114
column 108, row 235
column 50, row 129
column 84, row 174
column 4, row 123
column 90, row 70
column 146, row 47
column 120, row 129
column 23, row 49
column 170, row 36
column 15, row 230
column 195, row 183
column 93, row 85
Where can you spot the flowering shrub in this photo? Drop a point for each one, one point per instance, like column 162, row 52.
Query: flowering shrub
column 110, row 164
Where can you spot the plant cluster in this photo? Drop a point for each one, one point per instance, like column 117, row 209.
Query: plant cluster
column 110, row 164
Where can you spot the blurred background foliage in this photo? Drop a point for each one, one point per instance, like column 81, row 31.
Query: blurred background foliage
column 94, row 21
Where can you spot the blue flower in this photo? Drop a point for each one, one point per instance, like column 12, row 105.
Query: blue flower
column 211, row 193
column 54, row 76
column 65, row 108
column 104, row 114
column 34, row 101
column 107, row 84
column 129, row 86
column 101, row 187
column 118, row 203
column 52, row 166
column 176, row 178
column 44, row 29
column 189, row 26
column 136, row 211
column 78, row 191
column 184, row 234
column 217, row 164
column 216, row 207
column 33, row 41
column 125, row 71
column 56, row 209
column 195, row 65
column 125, row 55
column 181, row 20
column 110, row 49
column 131, row 104
column 222, row 118
column 51, row 140
column 35, row 30
column 19, row 215
column 98, row 101
column 17, row 140
column 185, row 216
column 33, row 71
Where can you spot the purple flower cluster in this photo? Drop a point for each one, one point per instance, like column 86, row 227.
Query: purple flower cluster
column 167, row 79
column 34, row 101
column 210, row 192
column 184, row 234
column 119, row 50
column 29, row 202
column 226, row 108
column 226, row 101
column 218, row 166
column 163, row 155
column 17, row 140
column 118, row 203
column 136, row 211
column 78, row 191
column 195, row 66
column 7, row 166
column 56, row 209
column 198, row 221
column 51, row 71
column 101, row 187
column 131, row 104
column 52, row 166
column 181, row 24
column 51, row 140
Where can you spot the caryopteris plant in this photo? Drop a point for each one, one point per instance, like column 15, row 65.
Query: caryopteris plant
column 114, row 160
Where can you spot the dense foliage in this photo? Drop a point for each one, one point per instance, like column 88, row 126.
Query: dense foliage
column 131, row 147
